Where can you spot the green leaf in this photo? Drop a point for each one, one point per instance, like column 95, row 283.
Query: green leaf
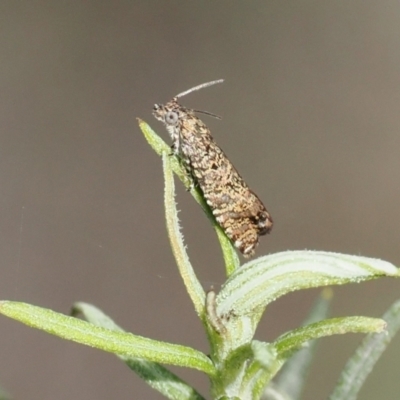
column 125, row 344
column 154, row 374
column 291, row 341
column 193, row 286
column 160, row 147
column 261, row 369
column 231, row 259
column 259, row 282
column 367, row 354
column 292, row 378
column 245, row 371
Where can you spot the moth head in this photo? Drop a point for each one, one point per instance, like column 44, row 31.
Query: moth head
column 159, row 111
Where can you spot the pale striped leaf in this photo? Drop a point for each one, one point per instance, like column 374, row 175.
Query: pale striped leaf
column 259, row 282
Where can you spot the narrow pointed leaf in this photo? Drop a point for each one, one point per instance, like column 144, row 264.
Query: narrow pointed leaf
column 159, row 146
column 291, row 341
column 292, row 378
column 122, row 343
column 193, row 286
column 154, row 374
column 263, row 280
column 362, row 362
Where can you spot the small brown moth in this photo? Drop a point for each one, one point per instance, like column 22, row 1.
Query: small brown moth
column 237, row 209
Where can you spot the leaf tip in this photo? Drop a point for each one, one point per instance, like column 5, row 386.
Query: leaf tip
column 141, row 123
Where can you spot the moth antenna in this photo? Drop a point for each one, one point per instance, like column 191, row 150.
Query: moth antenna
column 203, row 85
column 208, row 113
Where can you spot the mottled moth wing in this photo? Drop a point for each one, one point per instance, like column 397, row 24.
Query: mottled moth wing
column 237, row 209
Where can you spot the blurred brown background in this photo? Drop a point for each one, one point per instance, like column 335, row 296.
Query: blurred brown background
column 311, row 119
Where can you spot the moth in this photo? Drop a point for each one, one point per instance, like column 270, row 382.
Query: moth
column 237, row 209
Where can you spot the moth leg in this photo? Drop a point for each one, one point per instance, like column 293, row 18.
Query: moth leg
column 172, row 152
column 189, row 174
